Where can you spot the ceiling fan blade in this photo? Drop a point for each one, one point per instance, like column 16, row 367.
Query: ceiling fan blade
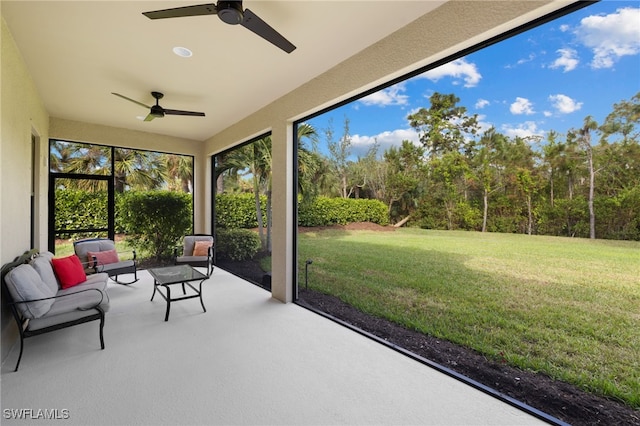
column 179, row 112
column 131, row 100
column 252, row 22
column 178, row 12
column 149, row 117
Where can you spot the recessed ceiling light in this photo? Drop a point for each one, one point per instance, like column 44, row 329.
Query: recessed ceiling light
column 182, row 52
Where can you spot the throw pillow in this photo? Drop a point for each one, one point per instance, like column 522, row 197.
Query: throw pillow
column 201, row 248
column 104, row 257
column 69, row 271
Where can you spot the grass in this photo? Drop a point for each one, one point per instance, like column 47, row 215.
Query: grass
column 568, row 308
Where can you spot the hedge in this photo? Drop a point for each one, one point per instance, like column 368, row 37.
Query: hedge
column 324, row 211
column 238, row 210
column 77, row 209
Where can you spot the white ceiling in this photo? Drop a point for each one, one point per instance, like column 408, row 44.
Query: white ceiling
column 78, row 52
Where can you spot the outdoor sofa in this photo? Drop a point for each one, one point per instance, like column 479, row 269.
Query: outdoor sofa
column 46, row 294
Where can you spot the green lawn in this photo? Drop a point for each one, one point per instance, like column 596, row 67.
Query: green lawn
column 569, row 308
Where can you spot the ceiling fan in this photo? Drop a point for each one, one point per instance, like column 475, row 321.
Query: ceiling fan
column 156, row 111
column 232, row 13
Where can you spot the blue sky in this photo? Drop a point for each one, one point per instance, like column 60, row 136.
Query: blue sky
column 548, row 78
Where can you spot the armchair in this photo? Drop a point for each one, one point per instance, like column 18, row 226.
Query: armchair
column 197, row 250
column 101, row 256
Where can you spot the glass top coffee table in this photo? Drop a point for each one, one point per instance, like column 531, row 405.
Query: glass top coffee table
column 180, row 274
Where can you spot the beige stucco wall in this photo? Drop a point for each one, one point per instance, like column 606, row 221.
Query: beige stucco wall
column 449, row 29
column 23, row 115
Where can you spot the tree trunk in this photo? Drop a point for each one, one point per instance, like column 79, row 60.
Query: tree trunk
column 530, row 216
column 402, row 222
column 269, row 220
column 592, row 180
column 551, row 195
column 256, row 195
column 485, row 200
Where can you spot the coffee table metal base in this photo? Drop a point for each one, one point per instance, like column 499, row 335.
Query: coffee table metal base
column 182, row 274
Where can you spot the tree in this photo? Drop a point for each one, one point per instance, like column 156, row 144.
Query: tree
column 584, row 140
column 312, row 166
column 445, row 126
column 179, row 170
column 528, row 186
column 404, row 171
column 339, row 155
column 157, row 220
column 366, row 174
column 490, row 153
column 138, row 170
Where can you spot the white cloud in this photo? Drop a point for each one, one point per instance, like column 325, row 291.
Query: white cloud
column 611, row 36
column 528, row 129
column 567, row 60
column 481, row 103
column 521, row 106
column 393, row 95
column 458, row 69
column 361, row 144
column 564, row 104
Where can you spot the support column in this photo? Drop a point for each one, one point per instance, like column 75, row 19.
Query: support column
column 282, row 255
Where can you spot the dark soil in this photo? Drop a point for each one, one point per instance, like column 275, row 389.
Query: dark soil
column 558, row 399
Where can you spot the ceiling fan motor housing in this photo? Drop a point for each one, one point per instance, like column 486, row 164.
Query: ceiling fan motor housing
column 230, row 12
column 157, row 111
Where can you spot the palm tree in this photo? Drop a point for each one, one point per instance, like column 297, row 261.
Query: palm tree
column 140, row 170
column 179, row 169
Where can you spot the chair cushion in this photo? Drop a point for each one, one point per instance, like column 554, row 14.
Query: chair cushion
column 189, row 243
column 44, row 268
column 82, row 247
column 69, row 271
column 24, row 283
column 104, row 257
column 201, row 248
column 122, row 267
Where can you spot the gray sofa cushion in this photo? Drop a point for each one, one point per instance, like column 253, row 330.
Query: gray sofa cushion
column 42, row 265
column 70, row 307
column 24, row 283
column 75, row 297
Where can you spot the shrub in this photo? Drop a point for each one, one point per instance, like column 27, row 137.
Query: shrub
column 79, row 209
column 325, row 211
column 238, row 210
column 156, row 220
column 236, row 244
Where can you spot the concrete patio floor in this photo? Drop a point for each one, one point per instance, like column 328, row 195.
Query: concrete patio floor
column 225, row 367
